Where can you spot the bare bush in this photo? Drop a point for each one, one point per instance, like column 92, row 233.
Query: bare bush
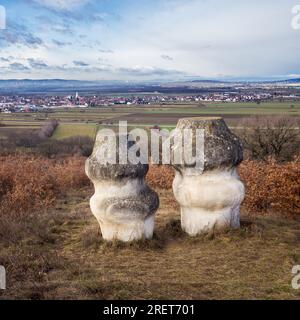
column 7, row 147
column 28, row 139
column 32, row 138
column 48, row 129
column 265, row 137
column 38, row 142
column 78, row 145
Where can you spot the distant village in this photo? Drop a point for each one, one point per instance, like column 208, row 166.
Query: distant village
column 35, row 103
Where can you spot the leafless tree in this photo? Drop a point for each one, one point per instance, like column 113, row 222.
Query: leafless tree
column 271, row 136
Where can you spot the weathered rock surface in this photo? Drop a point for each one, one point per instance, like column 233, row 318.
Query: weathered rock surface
column 210, row 197
column 123, row 203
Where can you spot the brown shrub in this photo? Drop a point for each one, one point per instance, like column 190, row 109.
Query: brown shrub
column 160, row 176
column 28, row 182
column 270, row 186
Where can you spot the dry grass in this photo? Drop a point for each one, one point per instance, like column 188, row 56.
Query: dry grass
column 66, row 259
column 51, row 244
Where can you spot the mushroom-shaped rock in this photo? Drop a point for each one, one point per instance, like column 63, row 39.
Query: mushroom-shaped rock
column 123, row 203
column 210, row 196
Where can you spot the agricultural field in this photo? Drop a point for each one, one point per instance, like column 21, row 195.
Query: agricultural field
column 85, row 121
column 66, row 130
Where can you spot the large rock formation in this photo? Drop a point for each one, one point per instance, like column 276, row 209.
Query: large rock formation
column 210, row 196
column 123, row 203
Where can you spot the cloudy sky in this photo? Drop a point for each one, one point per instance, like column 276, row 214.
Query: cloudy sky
column 149, row 39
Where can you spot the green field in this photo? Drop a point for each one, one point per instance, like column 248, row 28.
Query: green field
column 69, row 130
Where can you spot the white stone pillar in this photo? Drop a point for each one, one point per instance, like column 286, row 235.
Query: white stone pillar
column 210, row 197
column 123, row 203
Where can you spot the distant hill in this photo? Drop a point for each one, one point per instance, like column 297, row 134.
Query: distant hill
column 291, row 81
column 208, row 81
column 61, row 86
column 56, row 86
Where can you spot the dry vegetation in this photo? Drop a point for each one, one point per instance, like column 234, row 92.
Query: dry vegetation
column 30, row 183
column 51, row 244
column 276, row 137
column 271, row 187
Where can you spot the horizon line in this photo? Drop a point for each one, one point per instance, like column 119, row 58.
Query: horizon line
column 229, row 80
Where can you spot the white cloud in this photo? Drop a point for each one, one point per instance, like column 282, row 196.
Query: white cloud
column 209, row 38
column 62, row 4
column 206, row 38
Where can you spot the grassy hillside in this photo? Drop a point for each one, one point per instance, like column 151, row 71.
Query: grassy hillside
column 52, row 248
column 66, row 259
